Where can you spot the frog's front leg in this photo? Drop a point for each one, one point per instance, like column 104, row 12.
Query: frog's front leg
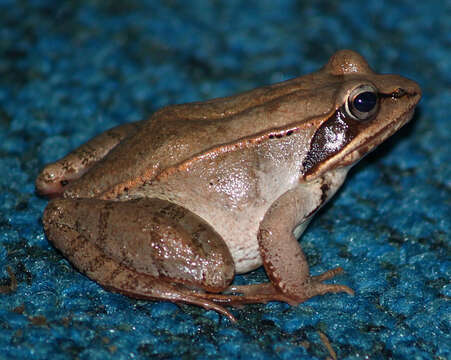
column 56, row 176
column 148, row 248
column 283, row 259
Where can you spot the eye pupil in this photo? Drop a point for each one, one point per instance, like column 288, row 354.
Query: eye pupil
column 365, row 101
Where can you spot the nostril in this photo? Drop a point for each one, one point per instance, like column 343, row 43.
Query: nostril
column 398, row 93
column 47, row 186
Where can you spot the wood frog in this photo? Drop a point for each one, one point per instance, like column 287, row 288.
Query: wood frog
column 171, row 208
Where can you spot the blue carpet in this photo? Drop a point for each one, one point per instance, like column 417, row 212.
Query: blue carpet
column 71, row 69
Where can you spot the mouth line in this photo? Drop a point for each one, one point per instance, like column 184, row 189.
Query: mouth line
column 376, row 139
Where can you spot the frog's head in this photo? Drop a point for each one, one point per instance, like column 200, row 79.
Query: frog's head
column 368, row 108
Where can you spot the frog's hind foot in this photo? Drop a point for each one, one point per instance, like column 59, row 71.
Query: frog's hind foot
column 144, row 287
column 266, row 292
column 249, row 294
column 159, row 290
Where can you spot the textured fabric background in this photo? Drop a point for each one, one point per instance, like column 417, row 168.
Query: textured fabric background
column 72, row 69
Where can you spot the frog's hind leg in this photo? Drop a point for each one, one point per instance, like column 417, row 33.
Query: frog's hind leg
column 146, row 249
column 55, row 176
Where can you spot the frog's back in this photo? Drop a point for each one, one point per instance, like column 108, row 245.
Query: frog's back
column 185, row 133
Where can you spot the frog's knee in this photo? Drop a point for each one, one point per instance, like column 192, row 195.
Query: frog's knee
column 219, row 273
column 54, row 211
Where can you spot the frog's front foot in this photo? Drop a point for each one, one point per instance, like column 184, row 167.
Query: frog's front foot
column 315, row 285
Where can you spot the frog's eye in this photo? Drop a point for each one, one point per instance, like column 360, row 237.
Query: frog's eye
column 362, row 102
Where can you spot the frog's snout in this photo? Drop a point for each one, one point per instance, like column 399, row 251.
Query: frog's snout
column 51, row 182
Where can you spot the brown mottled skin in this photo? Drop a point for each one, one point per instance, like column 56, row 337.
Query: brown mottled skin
column 172, row 207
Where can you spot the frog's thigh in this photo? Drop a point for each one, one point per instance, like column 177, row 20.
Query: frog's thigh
column 55, row 176
column 143, row 248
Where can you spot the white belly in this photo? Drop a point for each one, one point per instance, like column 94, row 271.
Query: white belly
column 239, row 231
